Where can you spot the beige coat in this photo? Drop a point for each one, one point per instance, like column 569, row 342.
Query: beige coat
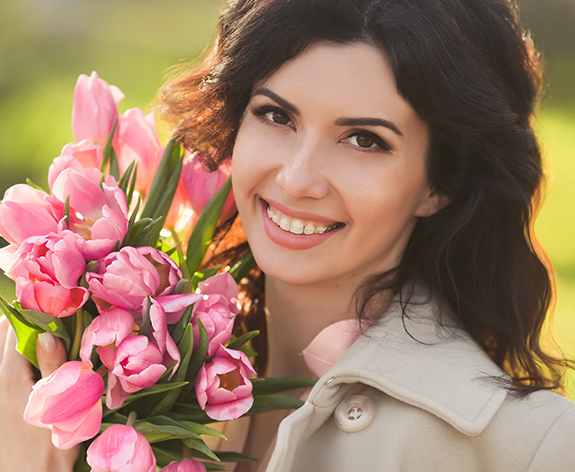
column 436, row 409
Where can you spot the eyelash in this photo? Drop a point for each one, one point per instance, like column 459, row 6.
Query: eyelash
column 380, row 143
column 260, row 112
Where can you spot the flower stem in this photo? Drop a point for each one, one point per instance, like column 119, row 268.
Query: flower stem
column 131, row 418
column 187, row 452
column 175, row 236
column 78, row 334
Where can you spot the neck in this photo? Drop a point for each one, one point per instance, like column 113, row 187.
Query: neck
column 297, row 313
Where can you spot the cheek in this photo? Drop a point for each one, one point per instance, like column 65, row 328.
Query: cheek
column 248, row 169
column 386, row 203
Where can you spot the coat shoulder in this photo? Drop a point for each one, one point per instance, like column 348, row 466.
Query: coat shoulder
column 543, row 424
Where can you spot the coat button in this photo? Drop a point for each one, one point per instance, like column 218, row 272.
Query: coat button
column 354, row 413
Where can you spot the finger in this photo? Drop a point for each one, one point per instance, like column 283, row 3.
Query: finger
column 4, row 325
column 50, row 352
column 14, row 364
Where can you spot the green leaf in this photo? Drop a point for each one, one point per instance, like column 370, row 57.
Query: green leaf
column 203, row 275
column 162, row 428
column 8, row 309
column 212, row 467
column 271, row 385
column 248, row 351
column 178, row 329
column 132, row 222
column 196, row 361
column 265, row 403
column 25, row 333
column 182, row 262
column 148, row 235
column 113, row 418
column 200, row 445
column 238, row 343
column 165, row 455
column 148, row 392
column 48, row 323
column 159, row 199
column 243, row 266
column 189, row 412
column 33, row 185
column 185, row 348
column 67, row 211
column 130, row 192
column 109, row 155
column 201, row 429
column 167, row 375
column 124, row 181
column 165, row 183
column 229, row 456
column 146, row 321
column 203, row 233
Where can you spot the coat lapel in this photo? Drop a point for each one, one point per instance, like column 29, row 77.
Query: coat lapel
column 413, row 359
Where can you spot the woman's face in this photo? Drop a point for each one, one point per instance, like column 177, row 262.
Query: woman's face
column 328, row 168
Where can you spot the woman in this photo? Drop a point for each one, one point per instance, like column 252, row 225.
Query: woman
column 384, row 167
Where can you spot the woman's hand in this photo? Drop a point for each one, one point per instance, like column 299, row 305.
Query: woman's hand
column 23, row 447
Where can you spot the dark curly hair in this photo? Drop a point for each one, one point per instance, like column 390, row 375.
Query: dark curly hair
column 473, row 77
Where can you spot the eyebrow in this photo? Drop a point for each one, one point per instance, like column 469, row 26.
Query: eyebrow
column 344, row 121
column 289, row 107
column 368, row 122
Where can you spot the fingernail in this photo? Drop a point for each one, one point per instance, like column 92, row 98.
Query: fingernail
column 47, row 342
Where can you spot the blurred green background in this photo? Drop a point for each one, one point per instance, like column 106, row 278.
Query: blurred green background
column 46, row 44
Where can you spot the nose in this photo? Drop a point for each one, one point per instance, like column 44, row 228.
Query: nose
column 303, row 173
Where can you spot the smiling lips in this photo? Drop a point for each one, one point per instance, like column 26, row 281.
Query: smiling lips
column 295, row 233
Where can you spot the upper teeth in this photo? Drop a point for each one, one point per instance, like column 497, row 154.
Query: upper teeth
column 293, row 225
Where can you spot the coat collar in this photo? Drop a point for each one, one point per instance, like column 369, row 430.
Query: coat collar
column 439, row 369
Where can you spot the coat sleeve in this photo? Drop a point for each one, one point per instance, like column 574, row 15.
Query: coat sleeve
column 557, row 449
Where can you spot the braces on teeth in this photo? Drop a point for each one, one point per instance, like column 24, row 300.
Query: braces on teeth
column 296, row 226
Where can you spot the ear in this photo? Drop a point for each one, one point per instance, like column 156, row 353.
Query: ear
column 434, row 202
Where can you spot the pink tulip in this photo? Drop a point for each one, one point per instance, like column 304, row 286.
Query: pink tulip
column 222, row 385
column 95, row 109
column 106, row 331
column 121, row 448
column 201, row 185
column 46, row 271
column 187, row 465
column 98, row 210
column 137, row 365
column 180, row 216
column 68, row 403
column 125, row 278
column 217, row 310
column 82, row 155
column 25, row 212
column 160, row 334
column 138, row 140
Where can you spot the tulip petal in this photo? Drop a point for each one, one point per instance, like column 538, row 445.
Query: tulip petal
column 87, row 428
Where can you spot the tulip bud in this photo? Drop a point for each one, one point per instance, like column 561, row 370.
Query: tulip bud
column 201, row 185
column 217, row 310
column 138, row 140
column 95, row 108
column 121, row 449
column 222, row 385
column 68, row 403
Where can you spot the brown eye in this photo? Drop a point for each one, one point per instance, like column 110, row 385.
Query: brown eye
column 278, row 117
column 364, row 141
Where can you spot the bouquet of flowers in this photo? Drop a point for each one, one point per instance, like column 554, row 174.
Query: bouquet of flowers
column 97, row 261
